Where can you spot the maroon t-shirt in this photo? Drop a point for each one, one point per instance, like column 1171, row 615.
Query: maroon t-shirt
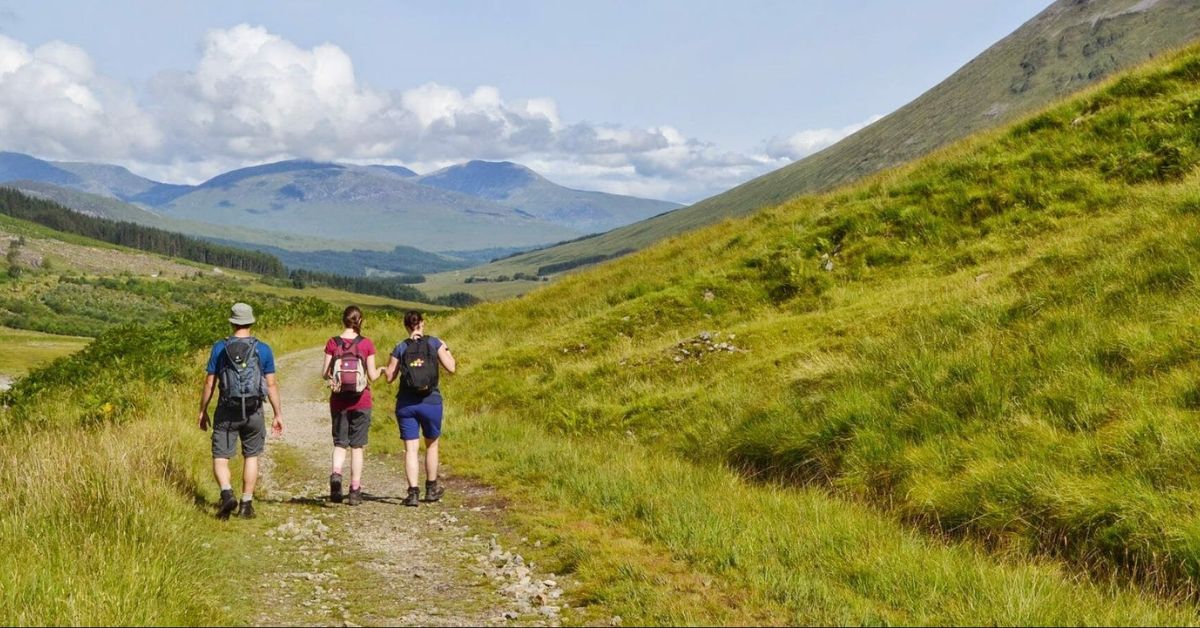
column 339, row 402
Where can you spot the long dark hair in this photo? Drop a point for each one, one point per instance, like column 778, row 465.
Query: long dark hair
column 352, row 318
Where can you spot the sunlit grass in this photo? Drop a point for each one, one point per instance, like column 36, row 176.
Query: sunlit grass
column 994, row 347
column 23, row 350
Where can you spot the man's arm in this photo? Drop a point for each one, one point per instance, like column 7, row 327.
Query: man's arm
column 210, row 382
column 273, row 396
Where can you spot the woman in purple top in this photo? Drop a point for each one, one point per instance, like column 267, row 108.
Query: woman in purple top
column 349, row 411
column 419, row 412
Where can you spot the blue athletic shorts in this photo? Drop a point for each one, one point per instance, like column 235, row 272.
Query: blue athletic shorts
column 427, row 417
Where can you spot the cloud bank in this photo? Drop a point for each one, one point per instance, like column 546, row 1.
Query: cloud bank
column 255, row 96
column 804, row 143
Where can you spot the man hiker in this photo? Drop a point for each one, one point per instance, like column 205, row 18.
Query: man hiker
column 245, row 369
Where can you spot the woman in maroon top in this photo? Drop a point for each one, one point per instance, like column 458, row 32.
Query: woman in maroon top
column 350, row 411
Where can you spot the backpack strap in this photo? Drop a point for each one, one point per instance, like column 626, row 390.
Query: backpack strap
column 341, row 342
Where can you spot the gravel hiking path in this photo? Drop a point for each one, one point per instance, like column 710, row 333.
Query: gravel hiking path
column 379, row 563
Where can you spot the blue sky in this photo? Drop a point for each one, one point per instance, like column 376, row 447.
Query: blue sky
column 676, row 100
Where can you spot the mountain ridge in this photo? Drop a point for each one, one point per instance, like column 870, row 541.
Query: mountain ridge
column 521, row 187
column 509, row 211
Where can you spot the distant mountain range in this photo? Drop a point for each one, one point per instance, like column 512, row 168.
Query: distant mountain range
column 477, row 205
column 519, row 187
column 1066, row 47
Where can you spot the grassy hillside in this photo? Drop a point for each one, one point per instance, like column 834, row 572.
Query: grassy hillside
column 59, row 283
column 834, row 402
column 1066, row 47
column 108, row 207
column 108, row 511
column 347, row 258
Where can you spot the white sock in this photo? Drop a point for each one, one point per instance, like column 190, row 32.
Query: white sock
column 247, row 497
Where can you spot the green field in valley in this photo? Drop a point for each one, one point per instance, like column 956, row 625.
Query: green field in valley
column 24, row 350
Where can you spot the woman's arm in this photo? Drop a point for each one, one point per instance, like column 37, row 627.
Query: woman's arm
column 446, row 358
column 372, row 372
column 325, row 368
column 393, row 368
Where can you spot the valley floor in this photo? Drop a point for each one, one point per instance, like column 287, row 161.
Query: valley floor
column 24, row 350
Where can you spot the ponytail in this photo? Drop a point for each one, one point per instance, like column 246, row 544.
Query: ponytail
column 352, row 318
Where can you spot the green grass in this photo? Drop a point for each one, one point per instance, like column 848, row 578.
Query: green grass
column 983, row 413
column 25, row 350
column 111, row 491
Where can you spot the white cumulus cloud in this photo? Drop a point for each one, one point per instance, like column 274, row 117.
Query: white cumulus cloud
column 53, row 103
column 255, row 97
column 804, row 143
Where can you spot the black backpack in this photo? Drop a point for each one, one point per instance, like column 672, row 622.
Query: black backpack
column 241, row 377
column 419, row 366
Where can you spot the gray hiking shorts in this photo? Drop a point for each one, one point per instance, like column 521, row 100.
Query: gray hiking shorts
column 350, row 427
column 228, row 427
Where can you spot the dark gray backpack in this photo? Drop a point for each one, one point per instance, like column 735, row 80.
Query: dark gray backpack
column 242, row 381
column 418, row 366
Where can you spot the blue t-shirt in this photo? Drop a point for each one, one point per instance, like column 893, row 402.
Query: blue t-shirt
column 406, row 397
column 217, row 358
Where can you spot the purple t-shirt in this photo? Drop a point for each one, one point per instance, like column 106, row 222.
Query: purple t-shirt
column 339, row 402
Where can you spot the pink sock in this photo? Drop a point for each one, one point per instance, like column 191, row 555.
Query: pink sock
column 355, row 487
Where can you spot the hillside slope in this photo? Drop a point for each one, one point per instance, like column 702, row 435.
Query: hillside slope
column 1064, row 48
column 115, row 209
column 999, row 343
column 62, row 283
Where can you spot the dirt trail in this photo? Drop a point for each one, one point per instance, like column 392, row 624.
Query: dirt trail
column 379, row 563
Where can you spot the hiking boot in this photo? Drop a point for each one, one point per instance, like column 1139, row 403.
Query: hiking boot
column 414, row 497
column 335, row 488
column 226, row 505
column 246, row 510
column 355, row 497
column 433, row 492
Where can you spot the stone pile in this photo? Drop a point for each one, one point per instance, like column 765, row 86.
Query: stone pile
column 704, row 343
column 517, row 581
